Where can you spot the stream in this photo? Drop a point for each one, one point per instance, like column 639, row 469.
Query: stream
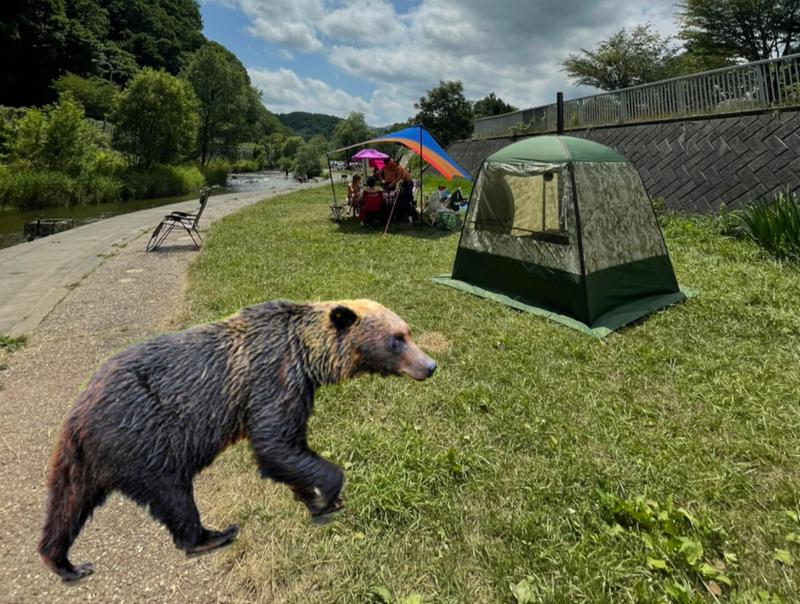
column 12, row 221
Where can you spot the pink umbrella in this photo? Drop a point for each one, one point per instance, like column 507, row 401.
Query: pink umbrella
column 370, row 154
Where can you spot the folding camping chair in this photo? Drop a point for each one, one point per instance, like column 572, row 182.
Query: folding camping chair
column 184, row 220
column 337, row 211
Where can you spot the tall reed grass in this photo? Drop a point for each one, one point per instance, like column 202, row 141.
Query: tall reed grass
column 28, row 189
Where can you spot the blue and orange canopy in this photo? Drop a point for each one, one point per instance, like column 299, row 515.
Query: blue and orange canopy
column 423, row 144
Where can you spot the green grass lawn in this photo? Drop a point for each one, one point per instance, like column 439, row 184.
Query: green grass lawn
column 659, row 464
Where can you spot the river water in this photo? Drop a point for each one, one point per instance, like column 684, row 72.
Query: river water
column 12, row 222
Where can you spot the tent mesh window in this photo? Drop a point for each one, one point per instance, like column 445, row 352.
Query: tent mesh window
column 524, row 203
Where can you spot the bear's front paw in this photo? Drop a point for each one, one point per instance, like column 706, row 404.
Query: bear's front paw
column 316, row 502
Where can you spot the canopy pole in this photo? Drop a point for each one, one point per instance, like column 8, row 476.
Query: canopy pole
column 330, row 173
column 421, row 194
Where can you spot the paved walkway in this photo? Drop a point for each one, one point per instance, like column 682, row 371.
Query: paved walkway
column 128, row 296
column 35, row 276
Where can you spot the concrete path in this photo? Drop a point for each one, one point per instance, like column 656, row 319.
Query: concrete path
column 128, row 296
column 35, row 276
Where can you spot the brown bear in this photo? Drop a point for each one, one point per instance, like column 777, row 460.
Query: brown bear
column 157, row 413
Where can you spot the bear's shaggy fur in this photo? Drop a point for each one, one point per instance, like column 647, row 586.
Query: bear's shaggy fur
column 157, row 413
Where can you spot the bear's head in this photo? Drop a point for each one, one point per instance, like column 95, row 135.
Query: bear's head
column 367, row 337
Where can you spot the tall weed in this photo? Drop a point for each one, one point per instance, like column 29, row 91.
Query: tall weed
column 774, row 225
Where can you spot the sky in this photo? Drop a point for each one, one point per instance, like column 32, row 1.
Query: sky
column 378, row 57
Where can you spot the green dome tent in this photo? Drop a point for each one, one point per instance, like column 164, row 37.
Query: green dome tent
column 563, row 227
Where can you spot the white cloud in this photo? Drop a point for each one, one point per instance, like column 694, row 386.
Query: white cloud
column 511, row 47
column 284, row 91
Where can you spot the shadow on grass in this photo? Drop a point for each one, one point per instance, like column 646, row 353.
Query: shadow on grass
column 351, row 226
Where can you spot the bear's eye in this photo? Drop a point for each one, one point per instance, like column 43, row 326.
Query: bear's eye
column 397, row 342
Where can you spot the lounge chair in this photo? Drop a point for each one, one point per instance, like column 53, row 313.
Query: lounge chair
column 185, row 220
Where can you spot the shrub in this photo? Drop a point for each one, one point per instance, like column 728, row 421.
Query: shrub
column 774, row 225
column 245, row 165
column 216, row 172
column 162, row 181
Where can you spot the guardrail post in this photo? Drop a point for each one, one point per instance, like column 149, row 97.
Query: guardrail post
column 559, row 113
column 680, row 99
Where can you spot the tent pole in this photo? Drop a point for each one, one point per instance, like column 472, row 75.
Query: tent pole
column 330, row 173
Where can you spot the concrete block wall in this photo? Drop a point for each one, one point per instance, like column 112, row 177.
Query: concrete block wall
column 695, row 165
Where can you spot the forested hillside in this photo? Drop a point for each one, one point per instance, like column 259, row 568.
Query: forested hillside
column 42, row 39
column 309, row 125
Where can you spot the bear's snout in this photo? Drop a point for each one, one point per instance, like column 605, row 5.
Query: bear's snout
column 417, row 364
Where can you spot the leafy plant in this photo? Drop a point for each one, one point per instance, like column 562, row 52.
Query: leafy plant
column 523, row 591
column 11, row 344
column 774, row 225
column 679, row 544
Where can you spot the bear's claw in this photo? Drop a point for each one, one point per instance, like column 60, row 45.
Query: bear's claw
column 78, row 572
column 213, row 540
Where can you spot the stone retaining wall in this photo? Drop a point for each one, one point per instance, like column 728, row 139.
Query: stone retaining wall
column 695, row 165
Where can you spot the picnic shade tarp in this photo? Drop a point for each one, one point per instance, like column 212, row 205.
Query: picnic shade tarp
column 420, row 142
column 423, row 144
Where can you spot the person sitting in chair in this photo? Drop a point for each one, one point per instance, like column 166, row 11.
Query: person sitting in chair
column 436, row 205
column 372, row 203
column 393, row 174
column 354, row 194
column 455, row 199
column 404, row 208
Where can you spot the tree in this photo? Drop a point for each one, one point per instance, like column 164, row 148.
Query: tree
column 291, row 146
column 625, row 58
column 223, row 89
column 741, row 29
column 56, row 138
column 308, row 162
column 491, row 105
column 156, row 121
column 445, row 113
column 71, row 142
column 38, row 41
column 351, row 130
column 97, row 96
column 158, row 33
column 273, row 147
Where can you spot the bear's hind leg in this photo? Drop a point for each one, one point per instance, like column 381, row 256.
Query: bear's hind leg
column 69, row 510
column 175, row 507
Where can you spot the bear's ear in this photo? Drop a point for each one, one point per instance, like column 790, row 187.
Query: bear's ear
column 342, row 317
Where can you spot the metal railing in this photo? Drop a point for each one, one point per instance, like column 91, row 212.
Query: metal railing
column 761, row 85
